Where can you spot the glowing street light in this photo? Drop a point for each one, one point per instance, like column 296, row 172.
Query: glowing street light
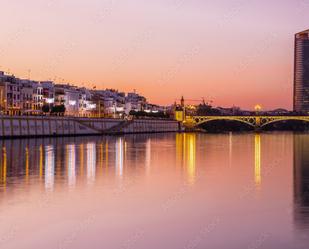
column 257, row 108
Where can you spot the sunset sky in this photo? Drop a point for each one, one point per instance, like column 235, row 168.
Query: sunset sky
column 232, row 52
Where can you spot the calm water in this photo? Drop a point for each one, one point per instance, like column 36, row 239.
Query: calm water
column 156, row 191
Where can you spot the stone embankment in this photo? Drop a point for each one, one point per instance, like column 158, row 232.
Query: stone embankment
column 37, row 126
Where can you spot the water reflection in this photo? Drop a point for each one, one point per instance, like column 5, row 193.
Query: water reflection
column 191, row 157
column 186, row 154
column 106, row 154
column 91, row 162
column 101, row 154
column 230, row 148
column 67, row 159
column 27, row 163
column 41, row 162
column 73, row 156
column 3, row 167
column 81, row 159
column 301, row 179
column 198, row 174
column 148, row 156
column 119, row 156
column 71, row 164
column 49, row 167
column 257, row 159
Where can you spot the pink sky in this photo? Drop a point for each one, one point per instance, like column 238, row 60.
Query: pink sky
column 232, row 52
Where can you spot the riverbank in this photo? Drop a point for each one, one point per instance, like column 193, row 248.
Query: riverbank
column 42, row 126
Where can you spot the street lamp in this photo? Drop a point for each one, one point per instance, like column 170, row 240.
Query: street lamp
column 257, row 108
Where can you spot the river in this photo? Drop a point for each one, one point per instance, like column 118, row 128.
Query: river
column 173, row 191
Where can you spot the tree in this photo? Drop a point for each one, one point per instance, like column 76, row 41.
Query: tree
column 45, row 108
column 58, row 110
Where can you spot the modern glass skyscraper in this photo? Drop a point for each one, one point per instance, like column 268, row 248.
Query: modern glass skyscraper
column 301, row 72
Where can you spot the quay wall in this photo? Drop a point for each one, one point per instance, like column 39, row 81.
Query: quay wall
column 38, row 126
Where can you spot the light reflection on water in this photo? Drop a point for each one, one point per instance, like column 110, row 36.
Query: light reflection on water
column 156, row 191
column 257, row 150
column 49, row 166
column 91, row 162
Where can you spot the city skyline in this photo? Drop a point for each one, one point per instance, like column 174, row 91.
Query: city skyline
column 100, row 44
column 124, row 121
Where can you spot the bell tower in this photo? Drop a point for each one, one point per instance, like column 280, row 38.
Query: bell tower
column 180, row 110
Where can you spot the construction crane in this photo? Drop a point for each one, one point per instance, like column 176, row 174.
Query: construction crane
column 202, row 100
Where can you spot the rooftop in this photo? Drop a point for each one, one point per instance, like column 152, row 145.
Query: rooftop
column 303, row 34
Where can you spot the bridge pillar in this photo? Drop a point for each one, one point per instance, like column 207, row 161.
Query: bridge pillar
column 257, row 126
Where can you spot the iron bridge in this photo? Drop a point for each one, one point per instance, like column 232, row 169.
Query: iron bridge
column 254, row 121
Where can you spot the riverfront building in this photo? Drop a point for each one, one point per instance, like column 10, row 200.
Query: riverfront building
column 24, row 96
column 301, row 72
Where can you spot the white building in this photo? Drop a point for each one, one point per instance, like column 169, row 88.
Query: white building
column 85, row 104
column 37, row 95
column 48, row 92
column 69, row 97
column 135, row 102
